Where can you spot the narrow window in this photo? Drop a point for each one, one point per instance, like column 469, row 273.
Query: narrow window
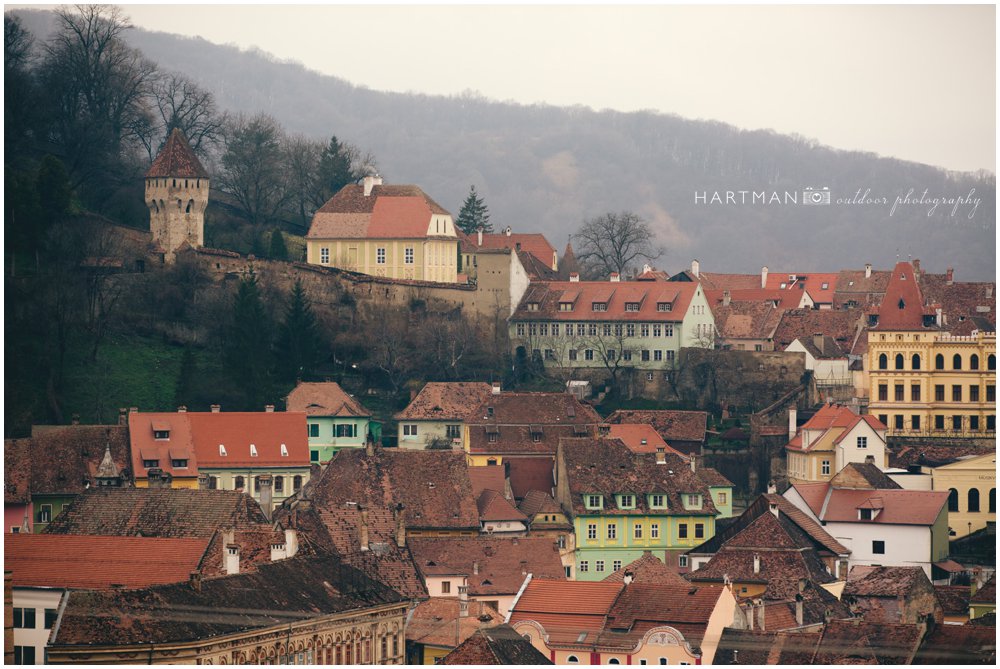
column 952, row 499
column 883, row 361
column 973, row 500
column 974, row 362
column 939, row 361
column 956, row 361
column 899, row 361
column 915, row 361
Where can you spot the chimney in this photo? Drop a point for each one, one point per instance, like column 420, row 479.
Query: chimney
column 364, row 527
column 268, row 408
column 265, row 483
column 182, row 409
column 949, row 275
column 370, row 181
column 793, row 425
column 574, row 277
column 278, row 551
column 475, row 567
column 818, row 341
column 937, row 317
column 133, row 409
column 628, row 577
column 202, row 481
column 463, row 601
column 661, row 455
column 989, row 290
column 496, row 387
column 156, row 478
column 507, row 231
column 646, row 268
column 773, row 506
column 696, row 269
column 615, row 277
column 694, row 463
column 524, row 568
column 216, row 408
column 756, row 563
column 195, row 581
column 869, row 459
column 122, row 416
column 400, row 526
column 868, row 270
column 726, row 297
column 291, row 543
column 763, row 277
column 479, row 236
column 799, row 610
column 916, row 268
column 232, row 559
column 760, row 616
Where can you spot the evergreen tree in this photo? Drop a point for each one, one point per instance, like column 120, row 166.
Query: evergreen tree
column 474, row 215
column 247, row 346
column 279, row 251
column 335, row 168
column 300, row 344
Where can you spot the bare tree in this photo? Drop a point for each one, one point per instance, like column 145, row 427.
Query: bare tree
column 302, row 160
column 253, row 167
column 181, row 103
column 613, row 242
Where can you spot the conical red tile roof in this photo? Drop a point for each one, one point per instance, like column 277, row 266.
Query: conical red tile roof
column 176, row 159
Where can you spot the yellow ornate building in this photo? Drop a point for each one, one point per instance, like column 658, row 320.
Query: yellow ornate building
column 924, row 381
column 396, row 232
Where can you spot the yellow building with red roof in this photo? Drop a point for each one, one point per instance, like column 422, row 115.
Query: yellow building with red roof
column 833, row 438
column 392, row 231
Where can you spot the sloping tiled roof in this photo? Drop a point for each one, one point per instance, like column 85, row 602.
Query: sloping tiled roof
column 615, row 295
column 865, row 581
column 713, row 478
column 746, row 320
column 986, row 594
column 566, row 608
column 648, row 569
column 17, row 471
column 534, row 243
column 802, row 324
column 493, row 506
column 954, row 598
column 873, row 477
column 536, row 501
column 503, row 563
column 94, row 562
column 962, row 303
column 902, row 308
column 176, row 159
column 280, row 592
column 719, row 281
column 325, row 399
column 671, row 425
column 146, row 447
column 273, row 434
column 65, row 458
column 526, row 423
column 535, row 268
column 254, row 547
column 496, row 645
column 487, row 478
column 765, row 647
column 640, row 438
column 642, row 606
column 436, row 621
column 445, row 401
column 390, row 211
column 856, row 641
column 935, row 455
column 899, row 507
column 831, row 349
column 853, row 285
column 607, row 467
column 434, row 486
column 953, row 645
column 157, row 512
column 527, row 474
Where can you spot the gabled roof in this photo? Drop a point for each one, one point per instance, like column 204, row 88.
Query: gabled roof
column 526, row 423
column 445, row 401
column 615, row 295
column 963, row 303
column 899, row 507
column 17, row 471
column 487, row 478
column 176, row 159
column 866, row 581
column 671, row 425
column 641, row 438
column 746, row 319
column 142, row 429
column 437, row 621
column 953, row 645
column 856, row 641
column 863, row 475
column 642, row 606
column 566, row 609
column 647, row 569
column 494, row 507
column 986, row 594
column 533, row 243
column 902, row 308
column 954, row 598
column 280, row 438
column 496, row 645
column 325, row 399
column 390, row 211
column 77, row 561
column 503, row 563
column 536, row 501
column 65, row 459
column 765, row 647
column 156, row 512
column 831, row 349
column 280, row 592
column 825, row 428
column 712, row 478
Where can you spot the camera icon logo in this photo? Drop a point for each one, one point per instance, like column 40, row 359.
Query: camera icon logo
column 816, row 196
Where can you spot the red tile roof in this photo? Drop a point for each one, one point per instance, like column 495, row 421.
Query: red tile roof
column 436, row 621
column 902, row 307
column 811, row 283
column 325, row 399
column 584, row 294
column 16, row 471
column 445, row 401
column 536, row 501
column 499, row 645
column 100, row 562
column 845, row 326
column 746, row 320
column 176, row 159
column 673, row 426
column 648, row 569
column 487, row 478
column 899, row 507
column 527, row 424
column 641, row 438
column 267, row 431
column 390, row 211
column 146, row 447
column 494, row 507
column 66, row 458
column 534, row 243
column 570, row 606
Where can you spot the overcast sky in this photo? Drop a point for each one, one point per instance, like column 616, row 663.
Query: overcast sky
column 914, row 82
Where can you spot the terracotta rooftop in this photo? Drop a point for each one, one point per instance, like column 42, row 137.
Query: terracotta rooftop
column 159, row 512
column 865, row 581
column 566, row 609
column 871, row 476
column 390, row 211
column 527, row 423
column 325, row 399
column 721, row 281
column 494, row 507
column 606, row 467
column 445, row 401
column 854, row 287
column 436, row 621
column 819, row 285
column 641, row 438
column 176, row 159
column 746, row 320
column 496, row 645
column 986, row 594
column 856, row 641
column 903, row 307
column 831, row 348
column 935, row 455
column 487, row 478
column 536, row 501
column 846, row 327
column 75, row 561
column 673, row 426
column 278, row 593
column 713, row 478
column 17, row 471
column 899, row 507
column 962, row 303
column 954, row 599
column 64, row 459
column 534, row 243
column 527, row 474
column 433, row 486
column 254, row 546
column 503, row 563
column 953, row 645
column 643, row 606
column 647, row 569
column 279, row 438
column 765, row 647
column 614, row 296
column 535, row 268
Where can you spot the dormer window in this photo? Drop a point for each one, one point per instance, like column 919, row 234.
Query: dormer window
column 664, row 306
column 222, row 451
column 489, row 412
column 284, row 451
column 783, row 286
column 253, row 451
column 536, row 433
column 150, row 464
column 600, row 306
column 594, row 501
column 631, row 306
column 825, row 286
column 492, row 437
column 565, row 306
column 626, row 501
column 692, row 501
column 658, row 501
column 179, row 463
column 865, row 514
column 161, row 434
column 532, row 306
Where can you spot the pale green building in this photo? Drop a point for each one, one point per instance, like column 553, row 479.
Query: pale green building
column 335, row 420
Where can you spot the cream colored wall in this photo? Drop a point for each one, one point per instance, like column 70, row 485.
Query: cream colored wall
column 980, row 473
column 433, row 259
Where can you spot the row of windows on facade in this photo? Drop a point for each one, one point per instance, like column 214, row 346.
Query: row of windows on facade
column 631, row 307
column 157, row 207
column 409, row 256
column 655, row 501
column 939, row 360
column 899, row 392
column 348, row 652
column 972, row 500
column 592, row 329
column 959, row 423
column 342, row 430
column 797, row 464
column 610, row 355
column 182, row 463
column 162, row 183
column 450, row 431
column 26, row 618
column 654, row 531
column 239, row 483
column 573, row 659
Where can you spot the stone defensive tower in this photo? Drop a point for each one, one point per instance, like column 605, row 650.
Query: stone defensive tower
column 176, row 194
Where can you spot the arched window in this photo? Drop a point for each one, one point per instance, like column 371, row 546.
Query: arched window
column 239, row 483
column 915, row 361
column 883, row 361
column 279, row 484
column 973, row 500
column 899, row 361
column 993, row 500
column 974, row 362
column 190, row 204
column 297, row 483
column 939, row 361
column 991, row 362
column 156, row 207
column 572, row 659
column 179, row 205
column 952, row 499
column 956, row 361
column 614, row 660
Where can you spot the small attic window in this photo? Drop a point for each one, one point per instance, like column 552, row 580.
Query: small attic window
column 631, row 306
column 599, row 306
column 664, row 306
column 825, row 286
column 902, row 304
column 222, row 451
column 161, row 434
column 253, row 451
column 783, row 286
column 284, row 451
column 532, row 306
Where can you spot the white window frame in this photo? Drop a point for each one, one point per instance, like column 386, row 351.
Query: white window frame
column 380, row 255
column 324, row 256
column 409, row 256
